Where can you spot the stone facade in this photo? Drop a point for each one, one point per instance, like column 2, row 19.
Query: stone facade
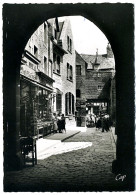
column 65, row 79
column 47, row 76
column 36, row 83
column 95, row 83
column 81, row 67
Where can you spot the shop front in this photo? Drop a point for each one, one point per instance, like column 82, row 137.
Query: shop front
column 97, row 107
column 36, row 109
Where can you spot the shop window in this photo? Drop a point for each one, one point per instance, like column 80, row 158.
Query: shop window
column 78, row 69
column 44, row 110
column 78, row 94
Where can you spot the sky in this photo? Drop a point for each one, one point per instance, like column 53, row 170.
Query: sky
column 87, row 36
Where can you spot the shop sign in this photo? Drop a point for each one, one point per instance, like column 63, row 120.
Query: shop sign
column 28, row 74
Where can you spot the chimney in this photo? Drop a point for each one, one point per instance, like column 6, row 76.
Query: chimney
column 109, row 51
column 96, row 59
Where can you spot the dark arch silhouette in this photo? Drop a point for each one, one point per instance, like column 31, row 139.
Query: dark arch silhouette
column 116, row 21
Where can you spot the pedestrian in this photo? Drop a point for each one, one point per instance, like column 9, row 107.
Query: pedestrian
column 98, row 123
column 105, row 124
column 87, row 120
column 59, row 122
column 63, row 123
column 55, row 127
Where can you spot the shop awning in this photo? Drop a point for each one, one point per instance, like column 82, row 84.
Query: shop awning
column 36, row 83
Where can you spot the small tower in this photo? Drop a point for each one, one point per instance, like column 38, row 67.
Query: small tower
column 109, row 51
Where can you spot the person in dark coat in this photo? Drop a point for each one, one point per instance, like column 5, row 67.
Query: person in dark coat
column 63, row 123
column 105, row 124
column 98, row 123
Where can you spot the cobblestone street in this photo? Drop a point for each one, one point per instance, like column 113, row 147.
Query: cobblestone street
column 85, row 169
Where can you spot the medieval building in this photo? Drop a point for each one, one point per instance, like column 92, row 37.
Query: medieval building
column 47, row 78
column 64, row 70
column 93, row 84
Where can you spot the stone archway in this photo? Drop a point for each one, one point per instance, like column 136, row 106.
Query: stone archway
column 116, row 21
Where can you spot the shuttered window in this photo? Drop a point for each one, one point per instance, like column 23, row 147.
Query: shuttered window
column 69, row 103
column 59, row 102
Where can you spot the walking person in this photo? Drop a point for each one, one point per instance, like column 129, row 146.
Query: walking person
column 55, row 127
column 59, row 122
column 105, row 125
column 63, row 123
column 98, row 123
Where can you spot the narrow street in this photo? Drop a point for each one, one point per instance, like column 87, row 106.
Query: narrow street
column 86, row 166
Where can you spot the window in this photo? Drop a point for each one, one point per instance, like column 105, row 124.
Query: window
column 99, row 74
column 69, row 103
column 78, row 69
column 69, row 44
column 35, row 51
column 56, row 61
column 78, row 93
column 45, row 65
column 50, row 69
column 69, row 72
column 59, row 103
column 45, row 34
column 55, row 33
column 70, row 77
column 58, row 64
column 33, row 66
column 99, row 87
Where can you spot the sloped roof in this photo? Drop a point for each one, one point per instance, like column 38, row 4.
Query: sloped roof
column 51, row 21
column 101, row 60
column 60, row 28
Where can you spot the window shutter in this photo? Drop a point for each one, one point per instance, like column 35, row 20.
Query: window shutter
column 72, row 104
